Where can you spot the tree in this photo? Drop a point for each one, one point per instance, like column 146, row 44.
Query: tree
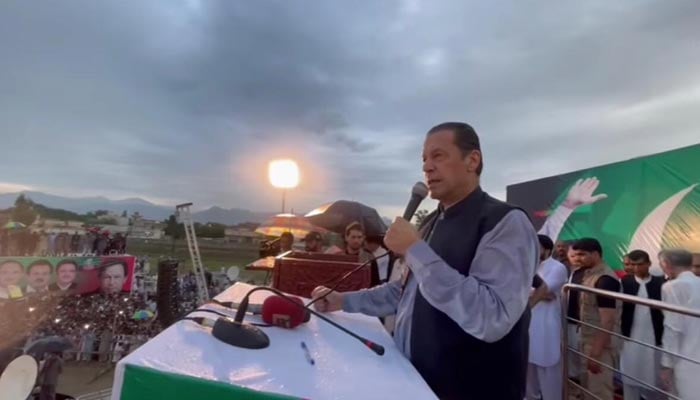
column 23, row 211
column 124, row 214
column 420, row 216
column 210, row 230
column 173, row 229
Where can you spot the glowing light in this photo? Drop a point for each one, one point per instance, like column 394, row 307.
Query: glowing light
column 86, row 326
column 284, row 174
column 121, row 312
column 57, row 320
column 31, row 309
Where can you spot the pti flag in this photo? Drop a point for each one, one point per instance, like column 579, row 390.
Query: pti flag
column 649, row 203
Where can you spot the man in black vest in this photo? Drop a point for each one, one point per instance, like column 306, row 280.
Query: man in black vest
column 461, row 310
column 642, row 324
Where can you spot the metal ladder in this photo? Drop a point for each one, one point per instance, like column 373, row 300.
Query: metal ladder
column 183, row 215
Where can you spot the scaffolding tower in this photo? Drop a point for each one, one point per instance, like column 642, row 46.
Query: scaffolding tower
column 184, row 216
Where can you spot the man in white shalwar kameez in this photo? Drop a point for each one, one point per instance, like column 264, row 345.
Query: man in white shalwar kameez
column 544, row 375
column 644, row 325
column 681, row 332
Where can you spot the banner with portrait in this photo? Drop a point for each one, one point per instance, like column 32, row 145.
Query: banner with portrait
column 23, row 276
column 648, row 203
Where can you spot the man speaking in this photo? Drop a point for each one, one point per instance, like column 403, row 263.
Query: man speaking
column 461, row 310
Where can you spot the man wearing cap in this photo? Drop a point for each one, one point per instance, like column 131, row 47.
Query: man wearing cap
column 462, row 313
column 313, row 242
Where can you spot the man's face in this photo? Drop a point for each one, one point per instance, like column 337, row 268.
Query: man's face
column 696, row 264
column 313, row 245
column 39, row 276
column 667, row 268
column 629, row 268
column 587, row 259
column 572, row 256
column 354, row 240
column 112, row 279
column 561, row 249
column 285, row 243
column 66, row 274
column 446, row 169
column 11, row 274
column 639, row 267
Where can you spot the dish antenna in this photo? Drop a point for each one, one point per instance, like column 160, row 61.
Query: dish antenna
column 19, row 378
column 232, row 273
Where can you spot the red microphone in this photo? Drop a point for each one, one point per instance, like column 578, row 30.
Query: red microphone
column 281, row 312
column 280, row 315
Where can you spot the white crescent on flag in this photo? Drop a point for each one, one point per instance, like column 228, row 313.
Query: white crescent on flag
column 649, row 233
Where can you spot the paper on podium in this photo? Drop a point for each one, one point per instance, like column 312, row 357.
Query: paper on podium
column 186, row 361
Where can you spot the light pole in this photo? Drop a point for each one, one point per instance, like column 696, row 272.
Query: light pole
column 284, row 174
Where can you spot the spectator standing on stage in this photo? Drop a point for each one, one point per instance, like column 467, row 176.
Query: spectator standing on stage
column 354, row 240
column 313, row 242
column 286, row 242
column 599, row 311
column 696, row 264
column 544, row 379
column 643, row 324
column 681, row 332
column 561, row 253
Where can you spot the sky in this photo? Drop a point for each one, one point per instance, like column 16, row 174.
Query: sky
column 187, row 100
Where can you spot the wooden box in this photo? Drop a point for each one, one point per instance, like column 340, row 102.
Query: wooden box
column 298, row 273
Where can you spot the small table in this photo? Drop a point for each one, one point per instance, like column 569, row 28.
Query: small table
column 266, row 264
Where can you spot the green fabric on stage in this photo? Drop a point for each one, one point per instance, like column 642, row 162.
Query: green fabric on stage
column 142, row 383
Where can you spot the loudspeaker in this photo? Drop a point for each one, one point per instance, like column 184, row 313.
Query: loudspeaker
column 167, row 292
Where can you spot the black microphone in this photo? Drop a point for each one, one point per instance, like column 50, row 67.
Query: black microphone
column 418, row 193
column 234, row 333
column 240, row 314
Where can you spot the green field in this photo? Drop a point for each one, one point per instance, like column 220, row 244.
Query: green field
column 214, row 255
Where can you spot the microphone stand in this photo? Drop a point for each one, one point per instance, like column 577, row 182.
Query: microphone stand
column 240, row 315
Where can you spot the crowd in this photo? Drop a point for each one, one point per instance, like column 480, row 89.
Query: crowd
column 606, row 333
column 103, row 326
column 24, row 242
column 91, row 322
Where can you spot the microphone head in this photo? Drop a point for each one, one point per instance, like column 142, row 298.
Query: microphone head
column 280, row 312
column 420, row 189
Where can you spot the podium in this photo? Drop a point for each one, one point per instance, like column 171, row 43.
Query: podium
column 298, row 273
column 186, row 362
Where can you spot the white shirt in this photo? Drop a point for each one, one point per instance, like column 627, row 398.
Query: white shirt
column 636, row 360
column 682, row 333
column 545, row 323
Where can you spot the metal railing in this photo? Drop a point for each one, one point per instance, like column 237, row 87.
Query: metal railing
column 625, row 298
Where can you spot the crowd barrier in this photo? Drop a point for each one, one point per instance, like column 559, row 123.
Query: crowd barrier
column 568, row 351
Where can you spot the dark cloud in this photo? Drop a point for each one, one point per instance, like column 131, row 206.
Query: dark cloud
column 187, row 100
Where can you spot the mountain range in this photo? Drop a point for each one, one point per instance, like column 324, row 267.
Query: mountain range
column 147, row 209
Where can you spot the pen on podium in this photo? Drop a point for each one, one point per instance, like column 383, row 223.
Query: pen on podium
column 307, row 353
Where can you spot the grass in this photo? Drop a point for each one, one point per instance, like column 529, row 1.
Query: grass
column 215, row 255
